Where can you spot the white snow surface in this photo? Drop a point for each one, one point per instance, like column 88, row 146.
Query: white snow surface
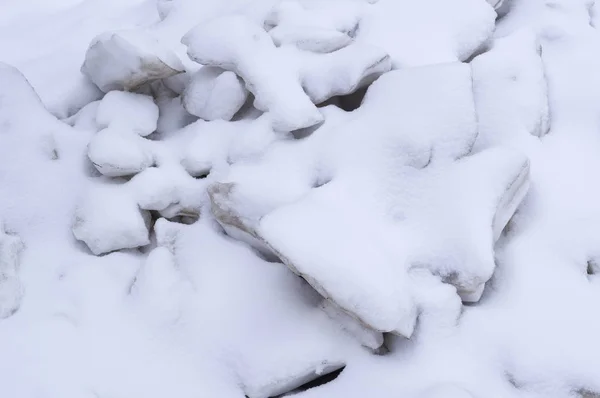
column 326, row 198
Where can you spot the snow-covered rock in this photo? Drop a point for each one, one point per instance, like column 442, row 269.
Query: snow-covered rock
column 401, row 188
column 125, row 60
column 108, row 219
column 246, row 49
column 117, row 153
column 237, row 44
column 214, row 93
column 128, row 111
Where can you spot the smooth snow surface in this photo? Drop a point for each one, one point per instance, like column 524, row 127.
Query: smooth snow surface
column 309, row 198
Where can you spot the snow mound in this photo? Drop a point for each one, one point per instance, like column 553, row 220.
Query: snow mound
column 302, row 78
column 213, row 94
column 11, row 288
column 427, row 32
column 128, row 111
column 511, row 94
column 316, row 29
column 125, row 60
column 399, row 186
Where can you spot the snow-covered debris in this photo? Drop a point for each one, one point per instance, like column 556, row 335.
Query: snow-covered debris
column 427, row 32
column 11, row 288
column 398, row 188
column 214, row 93
column 117, row 153
column 246, row 49
column 342, row 72
column 128, row 111
column 108, row 219
column 237, row 44
column 125, row 60
column 510, row 89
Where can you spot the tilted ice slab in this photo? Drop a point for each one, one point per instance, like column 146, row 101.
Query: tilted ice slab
column 285, row 81
column 125, row 60
column 398, row 167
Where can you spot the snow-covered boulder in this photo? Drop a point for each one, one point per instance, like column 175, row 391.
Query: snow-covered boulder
column 286, row 81
column 401, row 162
column 125, row 60
column 109, row 219
column 341, row 72
column 11, row 288
column 128, row 111
column 214, row 93
column 117, row 153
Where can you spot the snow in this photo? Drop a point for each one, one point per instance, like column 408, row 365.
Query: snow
column 134, row 112
column 214, row 94
column 217, row 225
column 125, row 60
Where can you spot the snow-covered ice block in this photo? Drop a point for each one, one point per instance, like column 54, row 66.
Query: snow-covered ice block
column 129, row 111
column 320, row 30
column 214, row 93
column 109, row 219
column 401, row 164
column 510, row 90
column 125, row 60
column 342, row 72
column 11, row 288
column 428, row 31
column 216, row 144
column 169, row 190
column 116, row 153
column 237, row 44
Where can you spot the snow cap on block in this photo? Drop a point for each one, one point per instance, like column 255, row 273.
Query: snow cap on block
column 125, row 60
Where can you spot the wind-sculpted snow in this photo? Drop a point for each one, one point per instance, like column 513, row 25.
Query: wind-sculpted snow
column 309, row 198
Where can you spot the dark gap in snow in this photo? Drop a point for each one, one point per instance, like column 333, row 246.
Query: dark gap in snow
column 305, row 132
column 348, row 102
column 186, row 219
column 591, row 268
column 319, row 381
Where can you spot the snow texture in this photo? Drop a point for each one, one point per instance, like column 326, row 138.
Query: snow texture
column 309, row 198
column 214, row 94
column 128, row 59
